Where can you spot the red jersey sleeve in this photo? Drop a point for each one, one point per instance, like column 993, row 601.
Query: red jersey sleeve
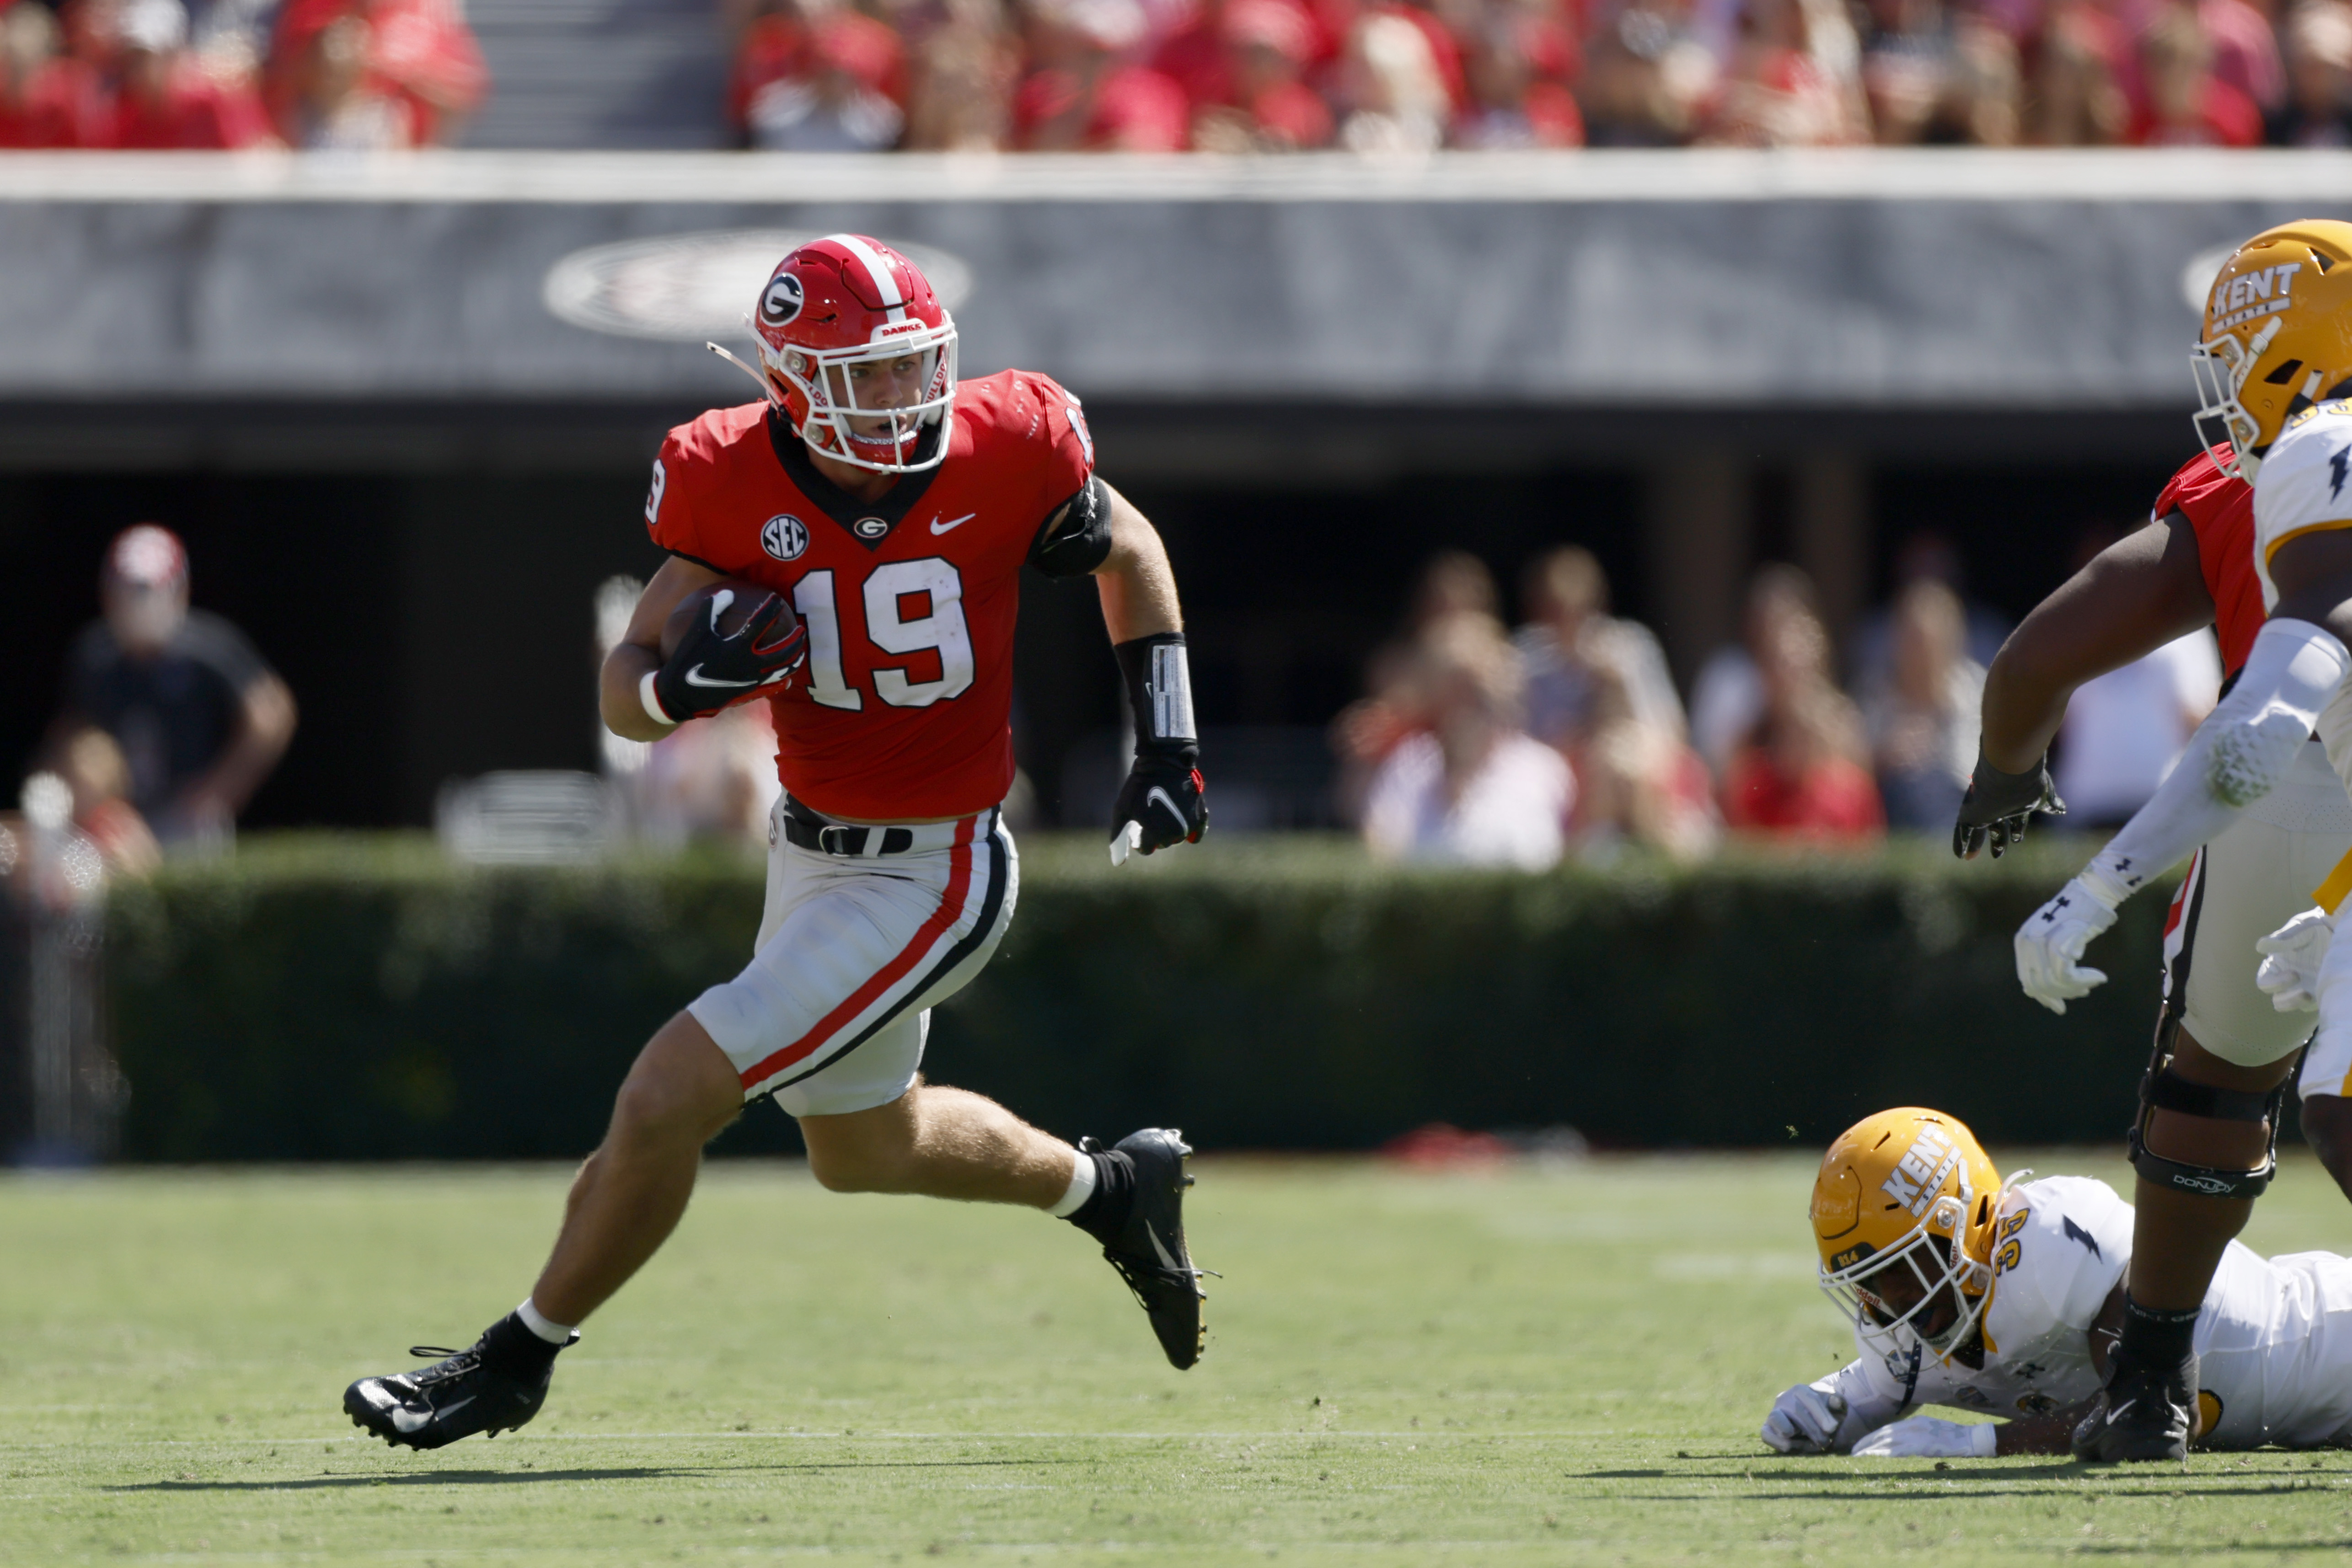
column 2221, row 511
column 1063, row 447
column 679, row 513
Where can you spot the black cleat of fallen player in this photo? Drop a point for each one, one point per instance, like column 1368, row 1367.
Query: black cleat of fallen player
column 2143, row 1413
column 494, row 1386
column 1149, row 1251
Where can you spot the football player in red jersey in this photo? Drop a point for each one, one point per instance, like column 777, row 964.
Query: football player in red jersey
column 893, row 508
column 2205, row 1155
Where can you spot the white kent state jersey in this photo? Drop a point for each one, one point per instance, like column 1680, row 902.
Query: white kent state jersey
column 2303, row 486
column 2273, row 1340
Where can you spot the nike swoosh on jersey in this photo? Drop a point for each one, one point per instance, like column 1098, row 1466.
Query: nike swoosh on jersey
column 694, row 678
column 939, row 528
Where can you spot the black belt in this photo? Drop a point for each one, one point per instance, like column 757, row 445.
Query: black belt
column 804, row 829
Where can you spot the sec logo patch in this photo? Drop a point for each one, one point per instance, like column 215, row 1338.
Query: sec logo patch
column 784, row 536
column 869, row 527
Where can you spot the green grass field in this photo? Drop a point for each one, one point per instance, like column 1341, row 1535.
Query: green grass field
column 1543, row 1366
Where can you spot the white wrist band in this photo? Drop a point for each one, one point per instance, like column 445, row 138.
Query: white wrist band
column 1171, row 693
column 653, row 702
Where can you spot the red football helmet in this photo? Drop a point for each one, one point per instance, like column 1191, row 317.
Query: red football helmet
column 859, row 353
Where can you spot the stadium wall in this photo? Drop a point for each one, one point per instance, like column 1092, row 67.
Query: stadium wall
column 1926, row 280
column 361, row 1000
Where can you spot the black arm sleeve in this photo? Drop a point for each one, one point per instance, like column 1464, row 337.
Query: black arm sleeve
column 1077, row 538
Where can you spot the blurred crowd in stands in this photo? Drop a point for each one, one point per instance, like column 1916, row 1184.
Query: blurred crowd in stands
column 1375, row 77
column 1477, row 745
column 1411, row 76
column 212, row 75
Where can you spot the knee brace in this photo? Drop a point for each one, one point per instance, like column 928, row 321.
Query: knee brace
column 2160, row 1088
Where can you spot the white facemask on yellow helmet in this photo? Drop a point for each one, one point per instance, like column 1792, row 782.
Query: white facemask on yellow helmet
column 1903, row 1213
column 2277, row 337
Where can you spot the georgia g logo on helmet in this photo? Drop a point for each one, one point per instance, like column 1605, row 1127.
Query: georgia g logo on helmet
column 783, row 300
column 859, row 354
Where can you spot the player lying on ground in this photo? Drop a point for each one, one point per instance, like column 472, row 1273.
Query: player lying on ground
column 874, row 516
column 2276, row 348
column 2008, row 1299
column 2191, row 567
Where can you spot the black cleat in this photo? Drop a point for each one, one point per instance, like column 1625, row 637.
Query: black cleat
column 2143, row 1413
column 1150, row 1253
column 494, row 1386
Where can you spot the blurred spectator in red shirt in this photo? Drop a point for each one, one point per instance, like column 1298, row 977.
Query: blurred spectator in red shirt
column 2188, row 105
column 1799, row 774
column 1647, row 76
column 166, row 99
column 45, row 100
column 1268, row 44
column 840, row 101
column 1795, row 81
column 2245, row 50
column 2318, row 111
column 966, row 70
column 2075, row 95
column 1080, row 98
column 772, row 46
column 1515, row 63
column 1397, row 99
column 370, row 74
column 423, row 50
column 324, row 99
column 1196, row 55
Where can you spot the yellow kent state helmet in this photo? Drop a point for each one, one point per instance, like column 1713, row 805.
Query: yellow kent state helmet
column 2277, row 337
column 1902, row 1214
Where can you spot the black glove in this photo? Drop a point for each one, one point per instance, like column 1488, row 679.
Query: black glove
column 1162, row 797
column 709, row 670
column 1160, row 802
column 1999, row 805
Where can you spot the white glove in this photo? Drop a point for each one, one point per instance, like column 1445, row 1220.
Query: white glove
column 2050, row 945
column 1804, row 1420
column 1924, row 1438
column 2289, row 975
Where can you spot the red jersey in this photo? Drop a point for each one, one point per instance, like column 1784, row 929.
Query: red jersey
column 905, row 709
column 2221, row 510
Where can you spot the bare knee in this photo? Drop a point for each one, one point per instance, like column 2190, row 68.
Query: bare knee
column 681, row 1089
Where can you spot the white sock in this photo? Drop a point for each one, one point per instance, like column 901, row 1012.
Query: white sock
column 1082, row 1187
column 536, row 1321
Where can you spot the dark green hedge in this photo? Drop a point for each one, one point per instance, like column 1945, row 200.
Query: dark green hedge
column 330, row 999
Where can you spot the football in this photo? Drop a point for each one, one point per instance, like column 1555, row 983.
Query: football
column 747, row 597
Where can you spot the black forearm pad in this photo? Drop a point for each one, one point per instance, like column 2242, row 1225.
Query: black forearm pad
column 1158, row 690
